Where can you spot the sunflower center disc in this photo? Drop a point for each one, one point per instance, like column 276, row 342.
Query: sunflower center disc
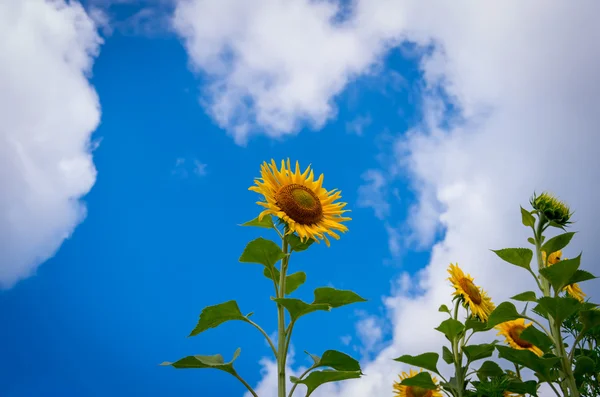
column 299, row 203
column 416, row 391
column 471, row 290
column 515, row 334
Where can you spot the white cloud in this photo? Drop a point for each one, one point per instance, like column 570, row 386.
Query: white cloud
column 373, row 193
column 184, row 167
column 48, row 111
column 524, row 78
column 358, row 125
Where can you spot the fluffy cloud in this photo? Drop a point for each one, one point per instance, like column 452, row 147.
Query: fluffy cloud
column 48, row 111
column 523, row 79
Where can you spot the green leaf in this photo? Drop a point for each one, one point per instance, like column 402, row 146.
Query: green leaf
column 538, row 338
column 213, row 316
column 336, row 297
column 422, row 380
column 541, row 366
column 444, row 309
column 298, row 308
column 451, row 328
column 560, row 273
column 475, row 324
column 447, row 355
column 557, row 243
column 558, row 307
column 584, row 365
column 314, row 357
column 262, row 251
column 477, row 352
column 338, row 361
column 581, row 276
column 517, row 256
column 531, row 240
column 292, row 281
column 296, row 243
column 590, row 318
column 518, row 386
column 527, row 218
column 489, row 369
column 317, row 378
column 506, row 311
column 528, row 296
column 427, row 361
column 215, row 362
column 266, row 222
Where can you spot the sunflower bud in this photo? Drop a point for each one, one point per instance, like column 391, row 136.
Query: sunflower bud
column 553, row 209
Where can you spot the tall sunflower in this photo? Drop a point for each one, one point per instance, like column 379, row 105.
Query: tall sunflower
column 512, row 330
column 414, row 391
column 475, row 297
column 300, row 201
column 572, row 290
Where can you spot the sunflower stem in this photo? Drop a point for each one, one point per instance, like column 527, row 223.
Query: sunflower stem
column 457, row 356
column 281, row 329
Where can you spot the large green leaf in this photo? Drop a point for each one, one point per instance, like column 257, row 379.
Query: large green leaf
column 337, row 360
column 526, row 358
column 580, row 276
column 560, row 273
column 215, row 362
column 527, row 218
column 422, row 380
column 296, row 243
column 292, row 281
column 262, row 251
column 298, row 308
column 489, row 369
column 557, row 243
column 584, row 365
column 506, row 311
column 477, row 352
column 590, row 318
column 518, row 386
column 317, row 378
column 336, row 297
column 558, row 307
column 266, row 222
column 538, row 338
column 528, row 296
column 517, row 256
column 427, row 361
column 451, row 328
column 475, row 324
column 213, row 316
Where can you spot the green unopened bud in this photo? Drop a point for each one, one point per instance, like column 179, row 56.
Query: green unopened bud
column 553, row 209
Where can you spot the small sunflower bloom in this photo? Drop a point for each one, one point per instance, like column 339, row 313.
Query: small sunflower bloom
column 573, row 290
column 414, row 391
column 300, row 201
column 552, row 208
column 475, row 297
column 512, row 330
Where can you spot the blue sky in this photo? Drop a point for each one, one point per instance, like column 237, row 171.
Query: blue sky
column 424, row 122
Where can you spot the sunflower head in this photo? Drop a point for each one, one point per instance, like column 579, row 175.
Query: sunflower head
column 474, row 297
column 300, row 201
column 552, row 208
column 414, row 391
column 512, row 330
column 572, row 290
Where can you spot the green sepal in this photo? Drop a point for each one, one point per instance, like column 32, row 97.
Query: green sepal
column 213, row 316
column 215, row 362
column 427, row 361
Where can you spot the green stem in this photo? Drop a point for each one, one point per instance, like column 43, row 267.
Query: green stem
column 262, row 331
column 518, row 371
column 281, row 334
column 245, row 384
column 457, row 356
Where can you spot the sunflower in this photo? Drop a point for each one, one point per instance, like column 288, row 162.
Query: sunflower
column 572, row 290
column 512, row 331
column 414, row 391
column 475, row 297
column 300, row 201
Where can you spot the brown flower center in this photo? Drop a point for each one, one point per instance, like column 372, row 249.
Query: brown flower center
column 416, row 391
column 515, row 334
column 471, row 290
column 299, row 203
